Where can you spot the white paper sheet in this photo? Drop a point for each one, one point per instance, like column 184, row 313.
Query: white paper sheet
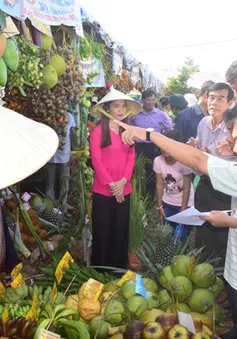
column 190, row 216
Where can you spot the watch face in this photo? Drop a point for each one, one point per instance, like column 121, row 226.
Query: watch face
column 150, row 129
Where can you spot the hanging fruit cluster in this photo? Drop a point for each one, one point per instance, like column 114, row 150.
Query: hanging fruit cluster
column 62, row 83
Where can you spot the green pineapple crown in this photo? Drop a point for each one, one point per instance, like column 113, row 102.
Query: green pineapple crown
column 164, row 233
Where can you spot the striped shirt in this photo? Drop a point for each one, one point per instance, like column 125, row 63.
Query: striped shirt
column 223, row 175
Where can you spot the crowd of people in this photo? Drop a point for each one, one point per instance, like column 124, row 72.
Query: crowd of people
column 181, row 141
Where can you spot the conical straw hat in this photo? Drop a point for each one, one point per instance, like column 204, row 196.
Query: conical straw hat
column 133, row 107
column 26, row 146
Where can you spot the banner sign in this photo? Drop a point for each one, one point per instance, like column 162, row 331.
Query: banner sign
column 55, row 13
column 12, row 7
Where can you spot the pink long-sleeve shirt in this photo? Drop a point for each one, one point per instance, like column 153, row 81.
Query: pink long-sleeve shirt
column 111, row 163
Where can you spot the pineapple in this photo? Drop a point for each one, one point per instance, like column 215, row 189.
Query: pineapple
column 165, row 249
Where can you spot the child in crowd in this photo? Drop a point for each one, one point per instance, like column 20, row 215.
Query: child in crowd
column 173, row 183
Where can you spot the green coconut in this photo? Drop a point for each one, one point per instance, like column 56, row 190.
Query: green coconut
column 111, row 286
column 181, row 287
column 152, row 299
column 58, row 63
column 201, row 300
column 50, row 76
column 46, row 42
column 114, row 312
column 203, row 275
column 165, row 300
column 217, row 288
column 151, row 315
column 137, row 305
column 219, row 314
column 180, row 265
column 3, row 73
column 150, row 285
column 99, row 328
column 128, row 289
column 182, row 307
column 165, row 277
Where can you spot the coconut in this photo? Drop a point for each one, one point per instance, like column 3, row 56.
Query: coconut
column 46, row 42
column 88, row 308
column 137, row 305
column 218, row 313
column 181, row 287
column 217, row 288
column 111, row 286
column 100, row 327
column 165, row 277
column 182, row 307
column 72, row 301
column 201, row 300
column 133, row 330
column 114, row 312
column 203, row 275
column 150, row 285
column 128, row 289
column 165, row 300
column 152, row 299
column 58, row 63
column 180, row 265
column 50, row 76
column 150, row 315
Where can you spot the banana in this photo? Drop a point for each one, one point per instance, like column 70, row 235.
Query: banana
column 65, row 313
column 58, row 309
column 42, row 325
column 48, row 309
column 79, row 326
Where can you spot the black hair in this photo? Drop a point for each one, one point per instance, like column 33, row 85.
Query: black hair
column 230, row 114
column 174, row 134
column 164, row 101
column 231, row 72
column 105, row 136
column 147, row 94
column 222, row 85
column 205, row 87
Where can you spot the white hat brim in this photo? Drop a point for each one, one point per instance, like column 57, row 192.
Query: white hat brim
column 133, row 106
column 26, row 146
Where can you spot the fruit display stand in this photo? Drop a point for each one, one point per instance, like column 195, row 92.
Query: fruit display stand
column 77, row 302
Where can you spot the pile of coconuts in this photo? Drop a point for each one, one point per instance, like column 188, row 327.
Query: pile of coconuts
column 62, row 83
column 183, row 286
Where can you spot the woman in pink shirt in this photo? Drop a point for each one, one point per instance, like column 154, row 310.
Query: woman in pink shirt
column 173, row 183
column 113, row 163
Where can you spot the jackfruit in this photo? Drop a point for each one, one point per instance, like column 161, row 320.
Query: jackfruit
column 11, row 55
column 50, row 77
column 3, row 73
column 46, row 42
column 3, row 42
column 58, row 63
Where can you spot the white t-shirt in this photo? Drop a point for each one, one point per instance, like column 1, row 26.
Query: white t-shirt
column 223, row 175
column 173, row 180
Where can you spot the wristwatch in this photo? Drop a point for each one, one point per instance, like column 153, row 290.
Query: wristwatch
column 148, row 133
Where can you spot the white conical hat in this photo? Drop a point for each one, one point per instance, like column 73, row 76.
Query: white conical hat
column 26, row 146
column 113, row 95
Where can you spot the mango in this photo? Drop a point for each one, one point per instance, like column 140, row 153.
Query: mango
column 3, row 43
column 3, row 73
column 11, row 55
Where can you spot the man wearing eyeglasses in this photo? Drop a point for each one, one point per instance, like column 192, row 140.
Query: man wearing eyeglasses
column 211, row 130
